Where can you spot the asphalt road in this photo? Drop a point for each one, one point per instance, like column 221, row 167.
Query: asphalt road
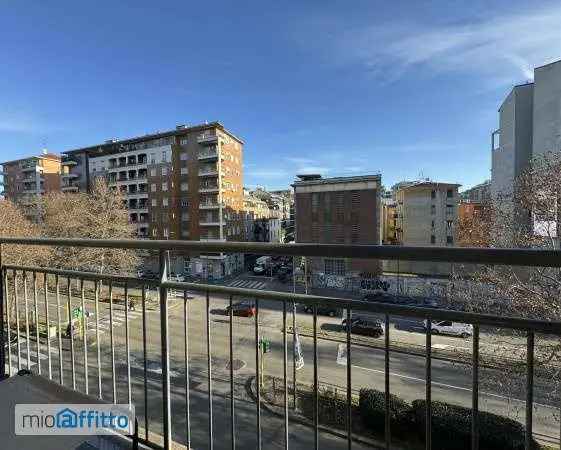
column 450, row 382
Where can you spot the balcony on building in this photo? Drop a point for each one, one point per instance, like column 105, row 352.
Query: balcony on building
column 122, row 176
column 29, row 167
column 208, row 187
column 142, row 174
column 132, row 174
column 131, row 160
column 133, row 203
column 210, row 220
column 133, row 218
column 208, row 154
column 143, row 355
column 209, row 202
column 207, row 138
column 68, row 161
column 208, row 170
column 122, row 161
column 142, row 159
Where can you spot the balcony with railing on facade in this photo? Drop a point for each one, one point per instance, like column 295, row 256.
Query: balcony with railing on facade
column 208, row 170
column 270, row 367
column 29, row 167
column 209, row 203
column 207, row 138
column 208, row 187
column 208, row 154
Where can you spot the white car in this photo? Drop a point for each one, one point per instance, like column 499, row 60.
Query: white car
column 447, row 327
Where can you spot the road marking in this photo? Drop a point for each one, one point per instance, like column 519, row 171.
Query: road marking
column 449, row 386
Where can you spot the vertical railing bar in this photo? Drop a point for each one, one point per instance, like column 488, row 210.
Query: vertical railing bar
column 316, row 407
column 475, row 389
column 97, row 288
column 112, row 343
column 26, row 309
column 36, row 313
column 164, row 332
column 529, row 389
column 349, row 385
column 258, row 373
column 209, row 368
column 69, row 311
column 47, row 322
column 58, row 306
column 3, row 321
column 84, row 337
column 285, row 374
column 9, row 325
column 18, row 343
column 127, row 345
column 232, row 399
column 428, row 385
column 387, row 426
column 186, row 368
column 145, row 362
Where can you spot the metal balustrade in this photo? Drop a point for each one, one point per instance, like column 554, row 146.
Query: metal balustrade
column 28, row 277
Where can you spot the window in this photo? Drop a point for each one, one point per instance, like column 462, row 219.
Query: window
column 433, row 239
column 183, row 156
column 165, row 201
column 153, row 187
column 449, row 224
column 152, row 172
column 183, row 141
column 154, row 202
column 164, row 156
column 184, row 203
column 166, row 232
column 185, row 233
column 334, row 266
column 449, row 193
column 164, row 187
column 185, row 216
column 432, row 210
column 152, row 158
column 184, row 171
column 449, row 240
column 433, row 194
column 154, row 231
column 164, row 171
column 432, row 224
column 184, row 186
column 449, row 209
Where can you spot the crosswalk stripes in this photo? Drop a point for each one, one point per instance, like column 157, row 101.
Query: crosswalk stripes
column 118, row 320
column 248, row 284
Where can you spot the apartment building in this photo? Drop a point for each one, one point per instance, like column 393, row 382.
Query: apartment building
column 529, row 126
column 427, row 212
column 479, row 193
column 389, row 220
column 184, row 183
column 344, row 210
column 26, row 179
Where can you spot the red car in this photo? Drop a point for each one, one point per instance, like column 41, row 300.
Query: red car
column 242, row 309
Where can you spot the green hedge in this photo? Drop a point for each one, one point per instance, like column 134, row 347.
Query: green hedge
column 332, row 407
column 372, row 405
column 451, row 428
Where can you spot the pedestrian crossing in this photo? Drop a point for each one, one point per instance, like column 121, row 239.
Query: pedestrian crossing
column 248, row 284
column 118, row 320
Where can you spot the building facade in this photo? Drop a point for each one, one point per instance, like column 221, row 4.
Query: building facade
column 180, row 184
column 27, row 179
column 343, row 210
column 479, row 193
column 389, row 221
column 427, row 213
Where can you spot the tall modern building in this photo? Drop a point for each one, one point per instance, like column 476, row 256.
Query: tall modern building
column 529, row 126
column 28, row 178
column 344, row 210
column 185, row 183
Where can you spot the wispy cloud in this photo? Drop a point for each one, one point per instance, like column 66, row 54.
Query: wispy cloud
column 19, row 123
column 504, row 49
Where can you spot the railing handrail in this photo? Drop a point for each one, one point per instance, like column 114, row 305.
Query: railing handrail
column 517, row 323
column 510, row 257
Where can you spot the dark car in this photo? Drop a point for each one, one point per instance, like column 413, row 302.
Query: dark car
column 365, row 327
column 382, row 297
column 242, row 309
column 324, row 310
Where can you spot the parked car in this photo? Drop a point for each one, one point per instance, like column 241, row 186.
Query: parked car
column 324, row 310
column 242, row 309
column 178, row 278
column 365, row 327
column 382, row 297
column 447, row 327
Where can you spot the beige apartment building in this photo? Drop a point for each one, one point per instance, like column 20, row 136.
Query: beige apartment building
column 185, row 183
column 28, row 178
column 427, row 213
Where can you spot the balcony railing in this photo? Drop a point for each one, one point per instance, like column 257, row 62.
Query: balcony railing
column 207, row 139
column 107, row 366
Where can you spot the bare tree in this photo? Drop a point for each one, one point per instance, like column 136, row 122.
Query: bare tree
column 99, row 215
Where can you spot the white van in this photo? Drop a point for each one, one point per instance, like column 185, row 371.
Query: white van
column 447, row 327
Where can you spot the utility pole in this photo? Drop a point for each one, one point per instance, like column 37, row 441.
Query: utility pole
column 294, row 334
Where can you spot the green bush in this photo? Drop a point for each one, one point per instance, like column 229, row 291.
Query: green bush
column 451, row 428
column 372, row 404
column 332, row 407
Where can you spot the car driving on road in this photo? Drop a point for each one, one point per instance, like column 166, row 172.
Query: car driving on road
column 242, row 309
column 447, row 327
column 324, row 311
column 364, row 326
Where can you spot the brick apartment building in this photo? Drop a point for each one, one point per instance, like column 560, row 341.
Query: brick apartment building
column 26, row 179
column 343, row 210
column 185, row 183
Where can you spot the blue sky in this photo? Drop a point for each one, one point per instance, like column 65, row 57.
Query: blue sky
column 404, row 88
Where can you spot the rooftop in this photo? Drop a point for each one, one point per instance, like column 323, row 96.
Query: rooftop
column 51, row 156
column 313, row 179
